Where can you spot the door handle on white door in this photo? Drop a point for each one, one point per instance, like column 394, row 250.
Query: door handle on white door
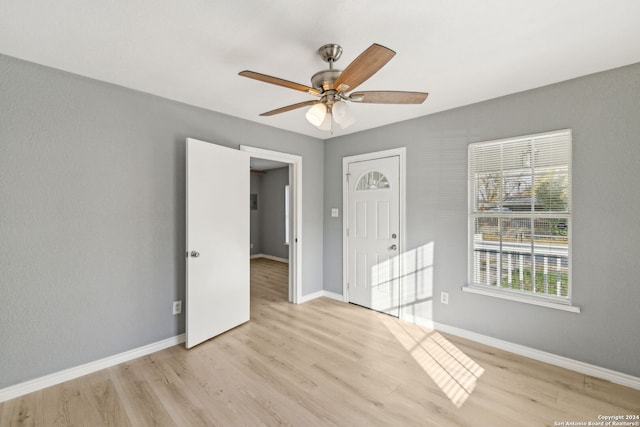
column 195, row 254
column 393, row 247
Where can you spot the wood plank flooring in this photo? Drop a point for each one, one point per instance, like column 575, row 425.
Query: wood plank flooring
column 323, row 363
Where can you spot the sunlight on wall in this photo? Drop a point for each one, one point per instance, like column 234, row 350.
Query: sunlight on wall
column 453, row 371
column 417, row 284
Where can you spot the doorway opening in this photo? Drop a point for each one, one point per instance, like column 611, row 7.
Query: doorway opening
column 269, row 230
column 280, row 242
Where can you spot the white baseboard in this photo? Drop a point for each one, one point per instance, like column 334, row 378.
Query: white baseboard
column 319, row 294
column 539, row 355
column 36, row 384
column 332, row 295
column 271, row 257
column 427, row 323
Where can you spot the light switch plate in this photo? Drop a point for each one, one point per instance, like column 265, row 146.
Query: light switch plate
column 335, row 213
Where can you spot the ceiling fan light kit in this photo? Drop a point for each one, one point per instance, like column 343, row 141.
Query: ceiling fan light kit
column 316, row 114
column 332, row 86
column 341, row 112
column 327, row 123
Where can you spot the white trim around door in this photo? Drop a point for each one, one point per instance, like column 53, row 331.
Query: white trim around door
column 401, row 153
column 295, row 185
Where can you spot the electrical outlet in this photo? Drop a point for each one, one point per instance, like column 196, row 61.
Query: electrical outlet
column 177, row 307
column 444, row 297
column 251, row 245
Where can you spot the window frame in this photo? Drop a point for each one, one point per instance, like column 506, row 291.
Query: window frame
column 541, row 299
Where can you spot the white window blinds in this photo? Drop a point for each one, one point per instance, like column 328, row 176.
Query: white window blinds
column 520, row 214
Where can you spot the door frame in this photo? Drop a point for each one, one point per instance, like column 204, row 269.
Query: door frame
column 295, row 218
column 401, row 152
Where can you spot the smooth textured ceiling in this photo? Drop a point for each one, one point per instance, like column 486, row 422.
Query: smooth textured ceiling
column 460, row 51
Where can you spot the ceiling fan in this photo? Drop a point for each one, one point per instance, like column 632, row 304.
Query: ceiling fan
column 333, row 87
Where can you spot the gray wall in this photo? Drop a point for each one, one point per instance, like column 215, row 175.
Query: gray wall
column 267, row 223
column 272, row 213
column 92, row 214
column 603, row 110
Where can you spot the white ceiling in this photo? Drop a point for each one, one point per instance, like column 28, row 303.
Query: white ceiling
column 460, row 51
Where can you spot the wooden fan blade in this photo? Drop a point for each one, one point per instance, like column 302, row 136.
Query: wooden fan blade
column 279, row 82
column 363, row 67
column 289, row 108
column 389, row 97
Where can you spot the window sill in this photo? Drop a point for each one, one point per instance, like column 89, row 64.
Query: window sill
column 519, row 298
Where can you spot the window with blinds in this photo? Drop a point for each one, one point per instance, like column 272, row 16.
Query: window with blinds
column 520, row 215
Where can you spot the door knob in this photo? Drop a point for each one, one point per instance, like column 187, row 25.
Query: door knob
column 393, row 247
column 195, row 254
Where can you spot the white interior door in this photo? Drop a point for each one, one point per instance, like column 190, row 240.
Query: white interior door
column 373, row 234
column 217, row 294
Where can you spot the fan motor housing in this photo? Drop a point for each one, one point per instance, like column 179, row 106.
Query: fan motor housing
column 323, row 80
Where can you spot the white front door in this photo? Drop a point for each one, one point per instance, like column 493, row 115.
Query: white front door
column 217, row 291
column 373, row 234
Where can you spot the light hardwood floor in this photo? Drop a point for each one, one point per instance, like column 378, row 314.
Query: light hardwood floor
column 323, row 363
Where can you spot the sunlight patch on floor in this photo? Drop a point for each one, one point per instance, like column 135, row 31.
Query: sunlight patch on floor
column 453, row 371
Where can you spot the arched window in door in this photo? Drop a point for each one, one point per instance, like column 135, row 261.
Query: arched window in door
column 372, row 180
